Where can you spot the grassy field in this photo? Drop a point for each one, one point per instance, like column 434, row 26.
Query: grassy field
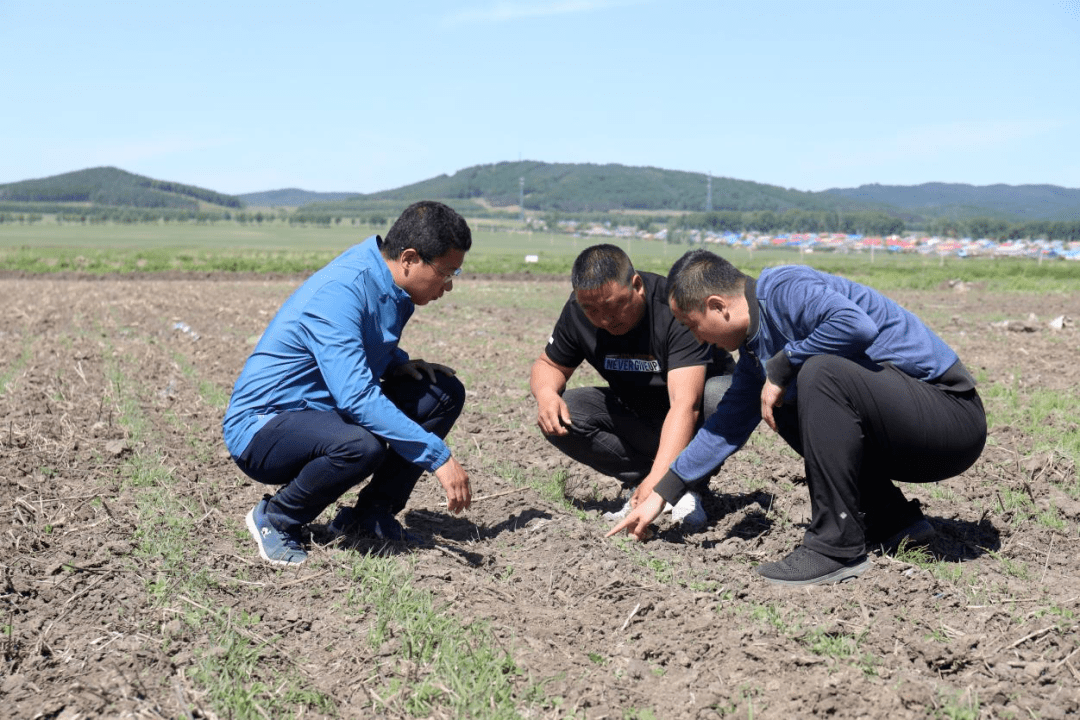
column 277, row 247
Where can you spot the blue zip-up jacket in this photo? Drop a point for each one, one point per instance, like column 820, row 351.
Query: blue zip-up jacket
column 327, row 349
column 797, row 312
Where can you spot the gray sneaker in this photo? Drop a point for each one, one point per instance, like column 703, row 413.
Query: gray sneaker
column 275, row 546
column 804, row 566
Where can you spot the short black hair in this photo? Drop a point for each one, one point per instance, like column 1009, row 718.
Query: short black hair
column 699, row 274
column 428, row 227
column 598, row 265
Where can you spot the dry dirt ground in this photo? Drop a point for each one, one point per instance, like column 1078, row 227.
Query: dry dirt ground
column 111, row 395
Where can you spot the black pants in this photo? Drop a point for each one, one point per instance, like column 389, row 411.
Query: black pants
column 859, row 428
column 318, row 456
column 616, row 438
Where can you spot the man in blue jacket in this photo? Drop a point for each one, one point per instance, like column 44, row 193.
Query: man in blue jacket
column 856, row 384
column 328, row 398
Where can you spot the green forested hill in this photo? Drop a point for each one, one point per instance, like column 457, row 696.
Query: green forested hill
column 584, row 188
column 554, row 188
column 112, row 187
column 1009, row 202
column 291, row 197
column 577, row 188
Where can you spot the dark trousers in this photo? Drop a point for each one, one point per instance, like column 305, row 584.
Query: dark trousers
column 317, row 456
column 615, row 438
column 859, row 428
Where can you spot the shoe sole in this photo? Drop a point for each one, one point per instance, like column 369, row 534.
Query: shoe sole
column 836, row 576
column 254, row 530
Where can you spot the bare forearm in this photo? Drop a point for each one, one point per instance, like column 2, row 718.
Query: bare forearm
column 546, row 380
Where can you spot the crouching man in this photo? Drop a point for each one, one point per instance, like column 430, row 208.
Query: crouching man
column 860, row 387
column 328, row 398
column 658, row 379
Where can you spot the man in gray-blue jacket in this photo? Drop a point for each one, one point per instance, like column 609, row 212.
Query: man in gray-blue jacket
column 856, row 384
column 328, row 398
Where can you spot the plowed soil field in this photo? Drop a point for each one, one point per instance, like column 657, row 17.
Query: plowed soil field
column 111, row 397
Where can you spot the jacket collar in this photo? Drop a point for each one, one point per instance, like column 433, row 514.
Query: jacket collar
column 750, row 291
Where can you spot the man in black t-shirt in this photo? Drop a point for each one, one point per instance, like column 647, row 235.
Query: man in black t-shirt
column 619, row 321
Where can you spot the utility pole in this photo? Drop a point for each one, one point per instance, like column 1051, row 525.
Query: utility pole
column 708, row 194
column 521, row 197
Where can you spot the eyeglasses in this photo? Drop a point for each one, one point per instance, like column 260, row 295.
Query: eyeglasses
column 448, row 277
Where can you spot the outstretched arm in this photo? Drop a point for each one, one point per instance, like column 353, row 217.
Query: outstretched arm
column 685, row 388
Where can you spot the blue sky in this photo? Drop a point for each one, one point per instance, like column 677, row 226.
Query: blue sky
column 365, row 96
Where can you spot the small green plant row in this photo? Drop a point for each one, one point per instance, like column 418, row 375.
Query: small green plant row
column 228, row 673
column 463, row 672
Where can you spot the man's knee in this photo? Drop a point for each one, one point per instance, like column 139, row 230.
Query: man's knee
column 362, row 450
column 832, row 378
column 452, row 388
column 584, row 404
column 821, row 367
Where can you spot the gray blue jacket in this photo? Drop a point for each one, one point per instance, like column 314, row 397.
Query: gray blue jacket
column 797, row 312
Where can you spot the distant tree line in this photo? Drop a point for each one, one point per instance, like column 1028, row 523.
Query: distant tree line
column 327, row 219
column 793, row 221
column 872, row 223
column 994, row 229
column 761, row 221
column 120, row 215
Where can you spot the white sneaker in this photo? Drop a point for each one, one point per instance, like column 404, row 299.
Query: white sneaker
column 689, row 511
column 620, row 513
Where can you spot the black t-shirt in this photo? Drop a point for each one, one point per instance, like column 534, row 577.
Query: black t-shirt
column 635, row 364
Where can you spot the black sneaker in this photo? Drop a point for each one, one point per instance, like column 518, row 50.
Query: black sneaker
column 804, row 566
column 342, row 522
column 918, row 533
column 910, row 528
column 375, row 522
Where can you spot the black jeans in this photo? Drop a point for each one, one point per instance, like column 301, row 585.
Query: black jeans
column 858, row 428
column 317, row 456
column 617, row 439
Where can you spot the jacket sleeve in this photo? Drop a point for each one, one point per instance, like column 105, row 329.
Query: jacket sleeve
column 725, row 431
